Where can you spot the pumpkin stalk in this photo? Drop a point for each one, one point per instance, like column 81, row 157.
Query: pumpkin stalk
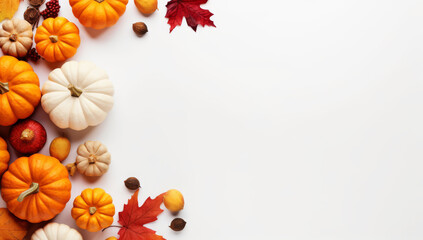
column 32, row 189
column 27, row 135
column 99, row 1
column 13, row 37
column 75, row 92
column 54, row 38
column 4, row 87
column 71, row 167
column 111, row 226
column 92, row 159
column 93, row 210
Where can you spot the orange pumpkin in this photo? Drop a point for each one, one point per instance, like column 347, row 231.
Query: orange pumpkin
column 93, row 210
column 19, row 90
column 57, row 39
column 98, row 14
column 4, row 156
column 36, row 188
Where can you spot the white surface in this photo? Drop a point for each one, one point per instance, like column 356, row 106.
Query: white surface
column 290, row 120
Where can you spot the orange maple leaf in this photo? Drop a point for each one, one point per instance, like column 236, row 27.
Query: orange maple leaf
column 134, row 217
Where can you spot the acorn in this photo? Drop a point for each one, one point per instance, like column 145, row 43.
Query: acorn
column 36, row 3
column 32, row 15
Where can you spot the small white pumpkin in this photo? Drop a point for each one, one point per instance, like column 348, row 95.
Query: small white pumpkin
column 93, row 159
column 77, row 95
column 16, row 37
column 56, row 231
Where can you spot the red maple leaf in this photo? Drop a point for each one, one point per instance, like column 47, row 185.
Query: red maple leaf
column 191, row 10
column 133, row 218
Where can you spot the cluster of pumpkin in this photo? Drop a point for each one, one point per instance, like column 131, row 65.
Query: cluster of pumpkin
column 79, row 94
column 57, row 39
column 37, row 188
column 75, row 96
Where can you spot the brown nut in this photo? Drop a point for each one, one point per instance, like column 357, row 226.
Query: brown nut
column 140, row 28
column 132, row 183
column 32, row 15
column 36, row 3
column 178, row 224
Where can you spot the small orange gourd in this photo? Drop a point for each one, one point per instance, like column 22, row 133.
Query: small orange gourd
column 19, row 90
column 4, row 156
column 57, row 39
column 36, row 188
column 98, row 14
column 93, row 210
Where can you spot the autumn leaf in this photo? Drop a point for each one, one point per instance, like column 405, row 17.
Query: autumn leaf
column 11, row 227
column 133, row 218
column 191, row 10
column 8, row 8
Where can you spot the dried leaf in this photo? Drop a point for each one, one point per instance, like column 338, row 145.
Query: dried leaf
column 133, row 218
column 11, row 227
column 8, row 8
column 191, row 10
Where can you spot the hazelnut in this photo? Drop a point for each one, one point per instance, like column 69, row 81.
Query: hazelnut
column 139, row 28
column 178, row 224
column 132, row 183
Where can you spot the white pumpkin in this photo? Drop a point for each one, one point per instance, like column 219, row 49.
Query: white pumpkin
column 56, row 231
column 16, row 37
column 77, row 95
column 93, row 159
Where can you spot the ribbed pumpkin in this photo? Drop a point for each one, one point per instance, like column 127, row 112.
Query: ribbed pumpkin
column 93, row 210
column 19, row 90
column 77, row 95
column 4, row 156
column 36, row 188
column 57, row 39
column 98, row 14
column 56, row 231
column 16, row 37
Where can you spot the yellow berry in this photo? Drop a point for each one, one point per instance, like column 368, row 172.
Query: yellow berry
column 173, row 200
column 146, row 6
column 60, row 148
column 111, row 238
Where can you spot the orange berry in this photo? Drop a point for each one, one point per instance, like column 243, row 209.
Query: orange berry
column 173, row 200
column 146, row 6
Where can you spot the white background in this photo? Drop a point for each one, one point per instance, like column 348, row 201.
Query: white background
column 291, row 120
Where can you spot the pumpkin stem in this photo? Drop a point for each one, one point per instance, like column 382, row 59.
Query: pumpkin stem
column 13, row 37
column 27, row 135
column 71, row 168
column 54, row 38
column 92, row 159
column 4, row 87
column 32, row 189
column 75, row 92
column 93, row 210
column 99, row 1
column 111, row 226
